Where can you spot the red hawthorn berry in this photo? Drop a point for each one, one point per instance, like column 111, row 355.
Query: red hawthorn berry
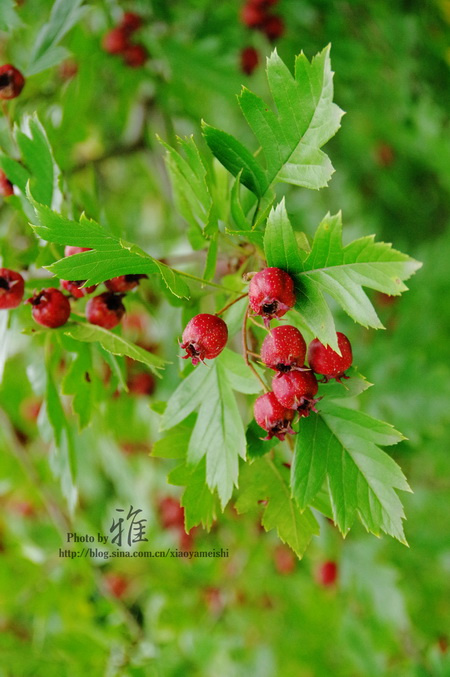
column 271, row 293
column 264, row 4
column 115, row 41
column 171, row 513
column 141, row 383
column 11, row 82
column 285, row 560
column 50, row 307
column 385, row 155
column 131, row 22
column 116, row 584
column 296, row 390
column 284, row 349
column 105, row 310
column 327, row 573
column 204, row 337
column 273, row 27
column 6, row 187
column 124, row 283
column 11, row 289
column 252, row 15
column 214, row 600
column 273, row 416
column 186, row 541
column 327, row 362
column 76, row 289
column 249, row 60
column 70, row 251
column 135, row 56
column 68, row 69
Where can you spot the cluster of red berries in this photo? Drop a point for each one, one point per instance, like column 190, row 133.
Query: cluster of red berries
column 295, row 386
column 6, row 187
column 256, row 15
column 11, row 82
column 118, row 41
column 51, row 308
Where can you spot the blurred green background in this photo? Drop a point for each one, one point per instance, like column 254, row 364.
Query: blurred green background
column 259, row 612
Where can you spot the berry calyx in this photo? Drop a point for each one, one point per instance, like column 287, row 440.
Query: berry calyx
column 11, row 82
column 11, row 289
column 105, row 310
column 249, row 60
column 135, row 56
column 70, row 251
column 123, row 283
column 296, row 390
column 204, row 337
column 273, row 417
column 50, row 307
column 273, row 27
column 115, row 41
column 6, row 187
column 271, row 293
column 76, row 289
column 324, row 360
column 131, row 22
column 284, row 349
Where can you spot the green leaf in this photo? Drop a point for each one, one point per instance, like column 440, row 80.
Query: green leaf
column 115, row 344
column 79, row 382
column 280, row 243
column 266, row 481
column 236, row 158
column 110, row 255
column 256, row 444
column 200, row 505
column 38, row 157
column 9, row 18
column 63, row 17
column 340, row 446
column 16, row 173
column 175, row 442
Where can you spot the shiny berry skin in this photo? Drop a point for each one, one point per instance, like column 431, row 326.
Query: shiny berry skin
column 70, row 251
column 115, row 41
column 131, row 22
column 273, row 28
column 327, row 362
column 50, row 307
column 135, row 56
column 271, row 293
column 249, row 60
column 296, row 390
column 6, row 187
column 11, row 289
column 252, row 15
column 123, row 283
column 204, row 337
column 76, row 289
column 273, row 417
column 105, row 310
column 284, row 349
column 11, row 82
column 327, row 574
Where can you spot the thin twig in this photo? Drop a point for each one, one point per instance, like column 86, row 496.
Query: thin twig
column 245, row 351
column 231, row 303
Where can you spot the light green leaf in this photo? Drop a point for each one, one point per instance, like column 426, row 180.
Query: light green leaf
column 280, row 244
column 267, row 481
column 9, row 19
column 79, row 381
column 199, row 503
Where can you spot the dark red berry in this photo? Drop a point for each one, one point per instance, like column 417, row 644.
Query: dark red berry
column 249, row 60
column 105, row 310
column 271, row 293
column 324, row 360
column 76, row 289
column 135, row 55
column 69, row 251
column 284, row 349
column 252, row 15
column 11, row 82
column 11, row 289
column 6, row 187
column 171, row 513
column 264, row 4
column 123, row 283
column 296, row 390
column 131, row 22
column 327, row 573
column 50, row 307
column 141, row 383
column 204, row 337
column 115, row 41
column 273, row 416
column 273, row 27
